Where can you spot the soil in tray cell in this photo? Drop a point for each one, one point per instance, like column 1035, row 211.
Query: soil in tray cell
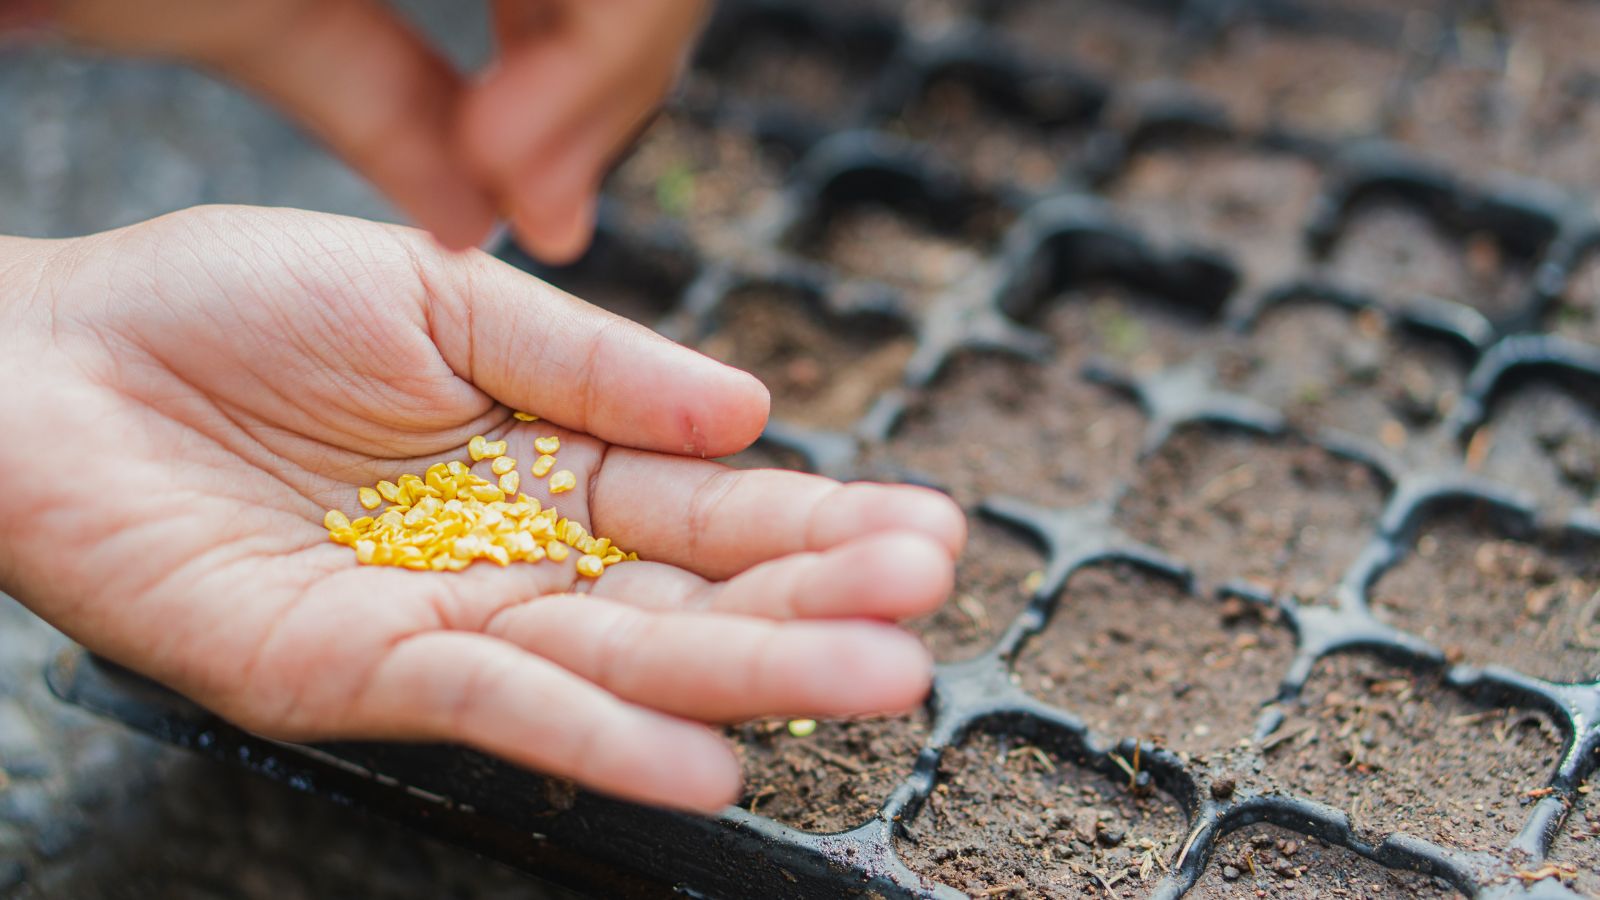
column 1392, row 252
column 788, row 70
column 992, row 145
column 1545, row 439
column 1136, row 656
column 997, row 425
column 875, row 242
column 708, row 179
column 1577, row 314
column 1137, row 332
column 1486, row 600
column 824, row 371
column 996, row 575
column 1323, row 84
column 1283, row 515
column 1268, row 861
column 832, row 779
column 1325, row 366
column 1399, row 752
column 1250, row 205
column 1011, row 819
column 1517, row 94
column 1110, row 38
column 1577, row 846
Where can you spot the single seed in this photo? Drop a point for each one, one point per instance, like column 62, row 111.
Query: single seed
column 521, row 416
column 369, row 498
column 492, row 449
column 563, row 481
column 475, row 447
column 547, row 445
column 502, row 464
column 590, row 566
column 557, row 551
column 802, row 727
column 335, row 521
column 509, row 482
column 389, row 491
column 541, row 466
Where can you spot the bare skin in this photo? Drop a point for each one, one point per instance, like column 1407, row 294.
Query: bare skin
column 186, row 396
column 528, row 139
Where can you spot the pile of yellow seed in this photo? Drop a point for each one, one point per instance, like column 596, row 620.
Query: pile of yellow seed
column 448, row 517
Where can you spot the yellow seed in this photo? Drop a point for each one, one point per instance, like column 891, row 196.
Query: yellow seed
column 366, row 551
column 612, row 559
column 590, row 566
column 475, row 447
column 556, row 551
column 521, row 416
column 369, row 498
column 802, row 727
column 455, row 468
column 361, row 525
column 389, row 491
column 541, row 466
column 493, row 449
column 502, row 464
column 343, row 536
column 509, row 482
column 486, row 493
column 563, row 481
column 335, row 520
column 547, row 445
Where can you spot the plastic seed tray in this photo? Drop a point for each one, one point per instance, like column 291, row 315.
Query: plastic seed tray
column 1261, row 339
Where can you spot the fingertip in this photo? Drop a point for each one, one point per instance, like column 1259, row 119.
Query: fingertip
column 922, row 573
column 866, row 668
column 555, row 232
column 868, row 508
column 739, row 407
column 687, row 767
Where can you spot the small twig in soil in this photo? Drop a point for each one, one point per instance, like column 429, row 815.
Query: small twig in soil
column 1002, row 888
column 1284, row 736
column 843, row 762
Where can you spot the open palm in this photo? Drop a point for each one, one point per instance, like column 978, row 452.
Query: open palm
column 184, row 398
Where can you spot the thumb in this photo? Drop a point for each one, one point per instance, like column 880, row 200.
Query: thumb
column 350, row 71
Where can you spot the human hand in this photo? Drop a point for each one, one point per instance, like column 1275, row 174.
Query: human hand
column 531, row 138
column 185, row 398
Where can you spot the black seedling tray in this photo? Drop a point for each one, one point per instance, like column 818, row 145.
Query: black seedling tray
column 1029, row 243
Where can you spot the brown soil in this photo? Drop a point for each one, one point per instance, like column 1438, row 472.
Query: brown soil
column 1268, row 861
column 1544, row 439
column 1314, row 83
column 832, row 779
column 994, row 579
column 878, row 243
column 771, row 69
column 1281, row 514
column 1141, row 333
column 1113, row 39
column 995, row 425
column 1326, row 367
column 1136, row 656
column 993, row 147
column 1399, row 752
column 1251, row 205
column 1520, row 96
column 1578, row 314
column 1578, row 846
column 1008, row 819
column 1393, row 252
column 709, row 180
column 823, row 371
column 1486, row 600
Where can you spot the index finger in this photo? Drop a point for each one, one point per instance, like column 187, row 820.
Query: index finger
column 538, row 349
